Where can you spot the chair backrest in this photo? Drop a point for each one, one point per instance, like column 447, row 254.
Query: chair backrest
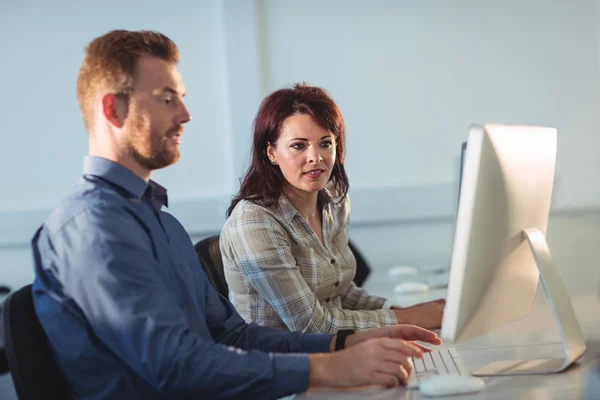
column 362, row 267
column 34, row 372
column 209, row 254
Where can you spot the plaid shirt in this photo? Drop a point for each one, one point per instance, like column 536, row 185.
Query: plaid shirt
column 281, row 275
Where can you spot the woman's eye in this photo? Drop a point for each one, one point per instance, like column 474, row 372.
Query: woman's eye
column 298, row 146
column 326, row 143
column 167, row 100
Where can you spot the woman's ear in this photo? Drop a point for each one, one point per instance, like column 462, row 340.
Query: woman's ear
column 270, row 151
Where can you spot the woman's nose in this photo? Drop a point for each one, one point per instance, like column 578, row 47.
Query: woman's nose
column 314, row 156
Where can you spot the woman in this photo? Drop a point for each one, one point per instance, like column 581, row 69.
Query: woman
column 285, row 244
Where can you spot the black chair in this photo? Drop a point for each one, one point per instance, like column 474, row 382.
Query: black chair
column 34, row 372
column 3, row 362
column 4, row 290
column 362, row 267
column 209, row 253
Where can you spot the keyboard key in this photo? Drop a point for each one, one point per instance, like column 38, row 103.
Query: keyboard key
column 439, row 364
column 419, row 365
column 449, row 362
column 428, row 361
column 460, row 367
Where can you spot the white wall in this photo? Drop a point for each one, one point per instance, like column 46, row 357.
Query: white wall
column 44, row 138
column 410, row 77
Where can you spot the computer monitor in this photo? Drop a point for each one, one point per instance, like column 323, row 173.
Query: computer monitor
column 463, row 149
column 499, row 250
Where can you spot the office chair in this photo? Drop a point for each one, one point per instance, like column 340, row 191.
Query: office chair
column 362, row 267
column 209, row 254
column 34, row 372
column 3, row 362
column 4, row 290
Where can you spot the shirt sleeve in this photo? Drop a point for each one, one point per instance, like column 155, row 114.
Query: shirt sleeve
column 259, row 246
column 229, row 328
column 357, row 298
column 109, row 270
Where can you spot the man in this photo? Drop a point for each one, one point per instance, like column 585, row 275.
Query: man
column 126, row 306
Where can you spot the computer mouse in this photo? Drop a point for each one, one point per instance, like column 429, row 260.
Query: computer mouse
column 411, row 288
column 402, row 270
column 452, row 384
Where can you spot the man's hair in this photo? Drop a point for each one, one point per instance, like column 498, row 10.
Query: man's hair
column 110, row 64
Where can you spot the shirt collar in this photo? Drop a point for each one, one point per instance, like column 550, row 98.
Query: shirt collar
column 120, row 176
column 288, row 211
column 157, row 195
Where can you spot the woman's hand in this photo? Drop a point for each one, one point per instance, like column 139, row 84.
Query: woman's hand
column 426, row 315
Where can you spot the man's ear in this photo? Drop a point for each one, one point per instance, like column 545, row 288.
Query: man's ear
column 114, row 108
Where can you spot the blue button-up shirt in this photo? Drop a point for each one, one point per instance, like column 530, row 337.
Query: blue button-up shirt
column 129, row 312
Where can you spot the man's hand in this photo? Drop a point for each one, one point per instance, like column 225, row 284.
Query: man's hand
column 427, row 315
column 405, row 332
column 381, row 361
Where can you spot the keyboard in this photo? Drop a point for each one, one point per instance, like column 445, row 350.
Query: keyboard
column 439, row 362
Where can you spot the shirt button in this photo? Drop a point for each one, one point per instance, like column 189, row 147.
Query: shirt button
column 337, row 284
column 327, row 300
column 333, row 261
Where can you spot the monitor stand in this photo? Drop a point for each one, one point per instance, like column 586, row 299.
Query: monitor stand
column 564, row 314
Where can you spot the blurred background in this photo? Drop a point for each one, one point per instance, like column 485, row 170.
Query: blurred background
column 409, row 76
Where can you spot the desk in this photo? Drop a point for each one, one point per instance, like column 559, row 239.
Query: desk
column 574, row 240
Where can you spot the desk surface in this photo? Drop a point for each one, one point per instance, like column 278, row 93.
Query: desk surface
column 574, row 241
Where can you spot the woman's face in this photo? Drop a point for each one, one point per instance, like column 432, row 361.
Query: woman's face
column 305, row 152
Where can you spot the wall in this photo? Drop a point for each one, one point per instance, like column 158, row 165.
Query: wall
column 410, row 77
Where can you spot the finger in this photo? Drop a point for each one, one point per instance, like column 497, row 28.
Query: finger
column 407, row 366
column 385, row 380
column 393, row 369
column 436, row 341
column 405, row 375
column 393, row 349
column 425, row 349
column 403, row 361
column 412, row 332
